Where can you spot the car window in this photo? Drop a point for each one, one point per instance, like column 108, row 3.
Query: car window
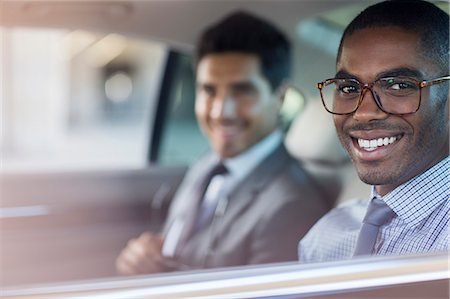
column 178, row 139
column 76, row 99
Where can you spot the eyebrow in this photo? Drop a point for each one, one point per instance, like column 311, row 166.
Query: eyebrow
column 345, row 75
column 406, row 72
column 402, row 71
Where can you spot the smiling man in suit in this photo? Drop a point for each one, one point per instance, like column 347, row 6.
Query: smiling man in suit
column 248, row 201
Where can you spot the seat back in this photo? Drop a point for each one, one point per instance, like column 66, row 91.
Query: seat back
column 312, row 139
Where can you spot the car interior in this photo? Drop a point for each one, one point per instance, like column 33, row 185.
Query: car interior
column 98, row 130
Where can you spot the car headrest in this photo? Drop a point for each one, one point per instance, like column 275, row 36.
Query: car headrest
column 312, row 136
column 312, row 140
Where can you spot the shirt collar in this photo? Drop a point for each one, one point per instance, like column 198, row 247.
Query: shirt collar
column 417, row 198
column 241, row 165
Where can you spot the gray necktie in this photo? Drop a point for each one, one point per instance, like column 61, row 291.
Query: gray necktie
column 378, row 213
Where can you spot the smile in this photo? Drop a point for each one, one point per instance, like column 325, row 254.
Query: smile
column 227, row 131
column 373, row 144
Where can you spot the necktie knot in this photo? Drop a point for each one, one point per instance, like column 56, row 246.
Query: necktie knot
column 219, row 168
column 378, row 212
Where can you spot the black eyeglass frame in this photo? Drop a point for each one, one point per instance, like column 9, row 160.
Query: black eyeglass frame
column 369, row 86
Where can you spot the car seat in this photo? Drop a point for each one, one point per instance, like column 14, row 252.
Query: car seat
column 312, row 139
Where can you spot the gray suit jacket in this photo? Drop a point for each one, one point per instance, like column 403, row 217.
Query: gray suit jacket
column 264, row 218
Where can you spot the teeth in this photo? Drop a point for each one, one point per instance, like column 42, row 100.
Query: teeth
column 373, row 144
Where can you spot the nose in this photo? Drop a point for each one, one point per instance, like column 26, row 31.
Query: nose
column 224, row 107
column 368, row 109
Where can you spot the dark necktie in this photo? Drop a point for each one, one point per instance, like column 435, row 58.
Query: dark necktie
column 217, row 169
column 378, row 213
column 208, row 201
column 190, row 222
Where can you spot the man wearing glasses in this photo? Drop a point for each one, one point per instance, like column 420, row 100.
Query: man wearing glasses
column 389, row 100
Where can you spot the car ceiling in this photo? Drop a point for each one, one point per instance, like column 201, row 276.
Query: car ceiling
column 176, row 22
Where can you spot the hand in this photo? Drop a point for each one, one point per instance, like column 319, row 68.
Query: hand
column 142, row 256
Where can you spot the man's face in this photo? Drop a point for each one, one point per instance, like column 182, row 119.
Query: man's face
column 419, row 140
column 235, row 105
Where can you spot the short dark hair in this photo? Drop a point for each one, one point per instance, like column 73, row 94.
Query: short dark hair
column 428, row 21
column 242, row 32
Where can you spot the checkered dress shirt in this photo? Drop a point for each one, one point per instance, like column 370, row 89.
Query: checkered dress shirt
column 422, row 206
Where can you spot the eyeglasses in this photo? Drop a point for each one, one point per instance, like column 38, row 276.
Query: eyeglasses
column 393, row 95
